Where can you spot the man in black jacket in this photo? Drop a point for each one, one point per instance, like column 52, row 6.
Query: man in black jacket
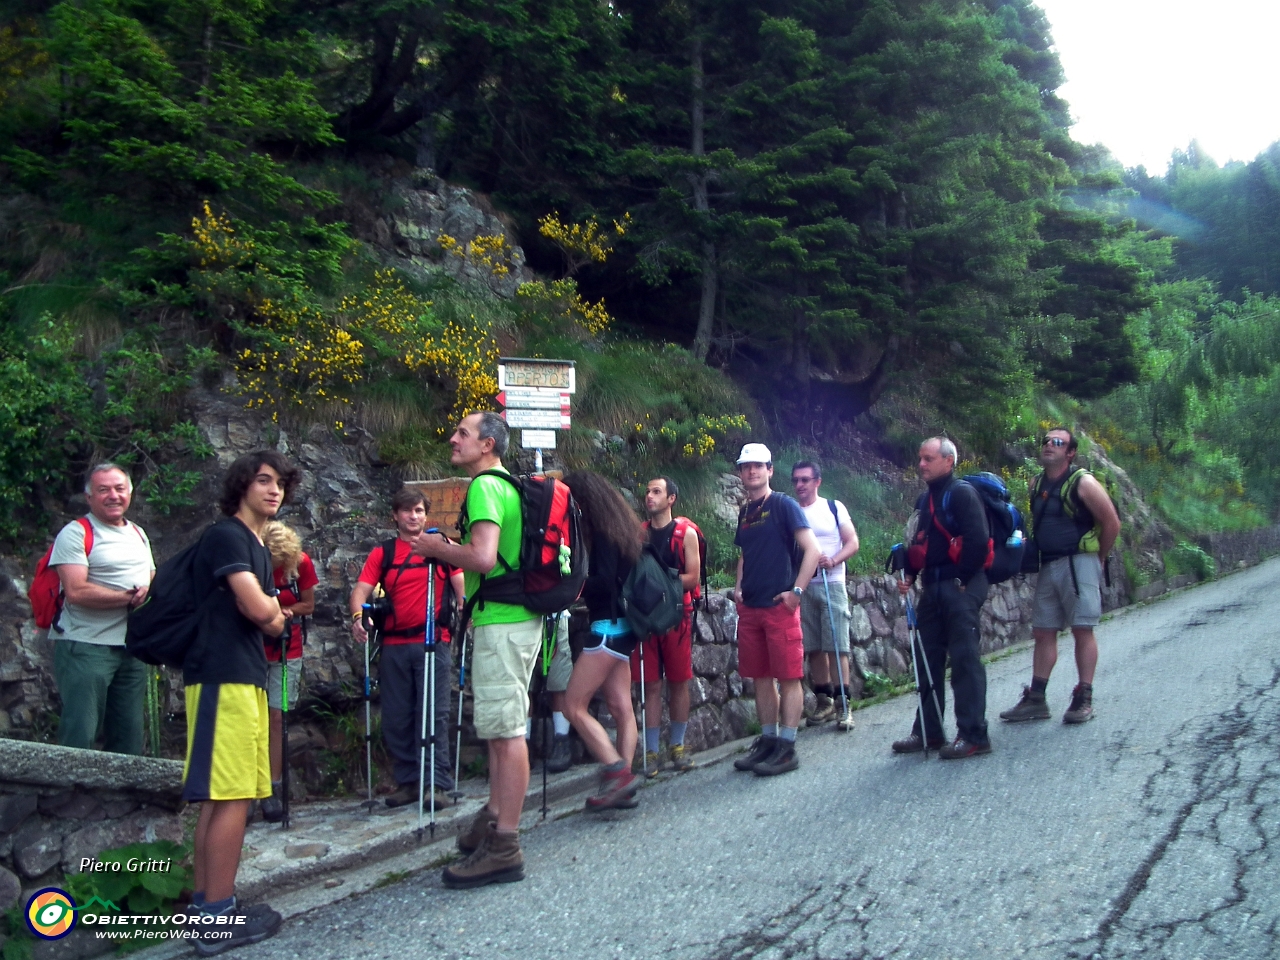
column 948, row 554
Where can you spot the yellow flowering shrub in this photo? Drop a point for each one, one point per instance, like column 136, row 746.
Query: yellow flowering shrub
column 582, row 243
column 694, row 437
column 560, row 300
column 491, row 253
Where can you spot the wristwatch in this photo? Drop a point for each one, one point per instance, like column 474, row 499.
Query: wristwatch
column 798, row 591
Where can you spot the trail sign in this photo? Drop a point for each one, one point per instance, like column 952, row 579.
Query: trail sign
column 537, row 419
column 538, row 439
column 515, row 372
column 527, row 400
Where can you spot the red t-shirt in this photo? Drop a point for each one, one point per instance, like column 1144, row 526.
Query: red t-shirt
column 407, row 587
column 306, row 579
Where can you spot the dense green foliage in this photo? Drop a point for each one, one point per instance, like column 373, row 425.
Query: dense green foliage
column 854, row 208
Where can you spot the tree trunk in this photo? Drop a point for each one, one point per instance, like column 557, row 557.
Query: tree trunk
column 710, row 268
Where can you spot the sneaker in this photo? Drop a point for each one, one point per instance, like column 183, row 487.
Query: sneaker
column 783, row 759
column 471, row 839
column 960, row 748
column 762, row 747
column 617, row 785
column 257, row 926
column 824, row 712
column 405, row 794
column 252, row 910
column 496, row 860
column 561, row 757
column 915, row 744
column 680, row 761
column 845, row 720
column 1081, row 709
column 1032, row 706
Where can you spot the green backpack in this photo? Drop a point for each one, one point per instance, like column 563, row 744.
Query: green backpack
column 1074, row 508
column 652, row 596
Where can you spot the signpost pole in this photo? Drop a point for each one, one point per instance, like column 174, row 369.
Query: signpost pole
column 537, row 462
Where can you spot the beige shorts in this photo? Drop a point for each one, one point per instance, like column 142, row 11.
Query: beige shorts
column 273, row 683
column 816, row 622
column 503, row 658
column 562, row 661
column 1057, row 605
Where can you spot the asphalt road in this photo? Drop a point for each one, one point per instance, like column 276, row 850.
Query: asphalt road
column 1145, row 833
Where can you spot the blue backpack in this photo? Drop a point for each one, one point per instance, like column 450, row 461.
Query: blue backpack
column 1004, row 555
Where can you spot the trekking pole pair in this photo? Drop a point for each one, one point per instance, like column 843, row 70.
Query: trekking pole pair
column 917, row 646
column 456, row 795
column 153, row 709
column 835, row 645
column 284, row 722
column 370, row 632
column 428, row 701
column 644, row 721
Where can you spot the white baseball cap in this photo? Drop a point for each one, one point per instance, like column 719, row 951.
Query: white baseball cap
column 755, row 453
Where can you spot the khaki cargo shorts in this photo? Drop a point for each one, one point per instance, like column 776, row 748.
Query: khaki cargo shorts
column 503, row 658
column 815, row 620
column 562, row 660
column 1057, row 605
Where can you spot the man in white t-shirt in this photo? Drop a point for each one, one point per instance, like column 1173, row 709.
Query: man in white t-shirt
column 826, row 603
column 102, row 686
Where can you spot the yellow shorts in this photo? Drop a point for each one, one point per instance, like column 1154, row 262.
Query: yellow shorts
column 503, row 657
column 228, row 738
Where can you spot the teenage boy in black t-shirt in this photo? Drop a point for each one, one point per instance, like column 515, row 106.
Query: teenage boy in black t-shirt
column 228, row 730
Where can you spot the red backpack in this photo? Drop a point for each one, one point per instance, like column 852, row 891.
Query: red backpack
column 683, row 526
column 552, row 568
column 45, row 593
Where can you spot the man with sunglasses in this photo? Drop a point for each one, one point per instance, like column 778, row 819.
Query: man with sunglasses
column 1074, row 524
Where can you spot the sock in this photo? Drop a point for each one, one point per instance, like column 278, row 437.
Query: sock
column 651, row 739
column 677, row 733
column 1086, row 689
column 1039, row 685
column 217, row 907
column 787, row 733
column 839, row 692
column 822, row 689
column 561, row 723
column 769, row 729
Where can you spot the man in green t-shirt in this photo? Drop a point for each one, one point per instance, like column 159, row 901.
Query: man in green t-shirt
column 505, row 647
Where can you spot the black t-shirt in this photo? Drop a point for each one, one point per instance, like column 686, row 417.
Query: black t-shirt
column 767, row 536
column 660, row 540
column 228, row 648
column 607, row 571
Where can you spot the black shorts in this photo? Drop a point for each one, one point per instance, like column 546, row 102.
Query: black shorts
column 619, row 647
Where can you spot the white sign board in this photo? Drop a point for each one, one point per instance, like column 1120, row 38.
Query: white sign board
column 516, row 372
column 543, row 400
column 537, row 419
column 538, row 439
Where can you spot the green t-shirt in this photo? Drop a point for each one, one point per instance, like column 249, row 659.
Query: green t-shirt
column 497, row 501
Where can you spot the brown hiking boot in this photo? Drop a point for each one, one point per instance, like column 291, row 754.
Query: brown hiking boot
column 960, row 748
column 914, row 744
column 617, row 787
column 824, row 712
column 470, row 840
column 1081, row 709
column 497, row 860
column 1032, row 706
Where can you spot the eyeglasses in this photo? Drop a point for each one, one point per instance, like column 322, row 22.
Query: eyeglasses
column 800, row 480
column 1054, row 442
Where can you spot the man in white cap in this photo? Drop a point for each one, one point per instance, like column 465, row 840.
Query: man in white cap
column 779, row 557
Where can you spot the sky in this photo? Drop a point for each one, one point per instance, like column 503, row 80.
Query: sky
column 1147, row 77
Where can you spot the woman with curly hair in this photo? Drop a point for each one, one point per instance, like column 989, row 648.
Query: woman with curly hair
column 295, row 578
column 614, row 537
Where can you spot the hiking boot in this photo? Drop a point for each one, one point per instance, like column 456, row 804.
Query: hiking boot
column 652, row 764
column 257, row 926
column 824, row 712
column 844, row 720
column 272, row 809
column 404, row 795
column 1032, row 706
column 915, row 744
column 252, row 910
column 680, row 761
column 1081, row 709
column 960, row 748
column 782, row 759
column 470, row 839
column 617, row 785
column 561, row 756
column 762, row 747
column 496, row 860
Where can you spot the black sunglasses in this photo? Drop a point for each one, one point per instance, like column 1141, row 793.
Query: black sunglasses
column 1053, row 442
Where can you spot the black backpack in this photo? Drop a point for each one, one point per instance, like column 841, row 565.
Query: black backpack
column 1003, row 518
column 652, row 596
column 165, row 627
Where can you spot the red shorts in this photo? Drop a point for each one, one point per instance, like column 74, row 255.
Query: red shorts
column 770, row 642
column 669, row 655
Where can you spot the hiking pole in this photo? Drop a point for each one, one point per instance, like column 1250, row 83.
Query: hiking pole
column 549, row 627
column 284, row 721
column 428, row 701
column 644, row 721
column 835, row 644
column 153, row 709
column 917, row 643
column 456, row 795
column 369, row 803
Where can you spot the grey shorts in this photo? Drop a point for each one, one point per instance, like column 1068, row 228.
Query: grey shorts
column 562, row 659
column 815, row 621
column 273, row 683
column 1057, row 605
